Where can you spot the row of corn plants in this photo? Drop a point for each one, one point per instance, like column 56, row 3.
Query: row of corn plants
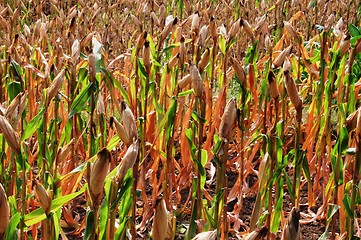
column 121, row 119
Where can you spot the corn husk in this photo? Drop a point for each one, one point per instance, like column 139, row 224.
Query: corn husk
column 55, row 86
column 64, row 152
column 289, row 28
column 184, row 81
column 121, row 132
column 209, row 235
column 240, row 73
column 282, row 56
column 92, row 67
column 204, row 60
column 99, row 173
column 44, row 198
column 197, row 83
column 4, row 212
column 127, row 161
column 272, row 85
column 235, row 28
column 160, row 221
column 351, row 120
column 140, row 41
column 291, row 86
column 330, row 21
column 344, row 45
column 212, row 28
column 195, row 23
column 155, row 19
column 268, row 44
column 291, row 230
column 202, row 35
column 168, row 28
column 247, row 28
column 146, row 55
column 173, row 61
column 136, row 21
column 129, row 122
column 10, row 135
column 229, row 120
column 15, row 109
column 182, row 52
column 257, row 234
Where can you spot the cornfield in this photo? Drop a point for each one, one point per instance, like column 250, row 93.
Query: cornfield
column 180, row 119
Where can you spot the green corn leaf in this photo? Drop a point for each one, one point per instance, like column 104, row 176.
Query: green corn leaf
column 13, row 223
column 14, row 88
column 111, row 81
column 104, row 213
column 80, row 101
column 210, row 219
column 222, row 44
column 89, row 225
column 346, row 203
column 170, row 116
column 32, row 126
column 82, row 75
column 353, row 30
column 185, row 93
column 204, row 160
column 276, row 215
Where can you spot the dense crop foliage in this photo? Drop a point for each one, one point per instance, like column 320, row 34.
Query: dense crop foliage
column 148, row 119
